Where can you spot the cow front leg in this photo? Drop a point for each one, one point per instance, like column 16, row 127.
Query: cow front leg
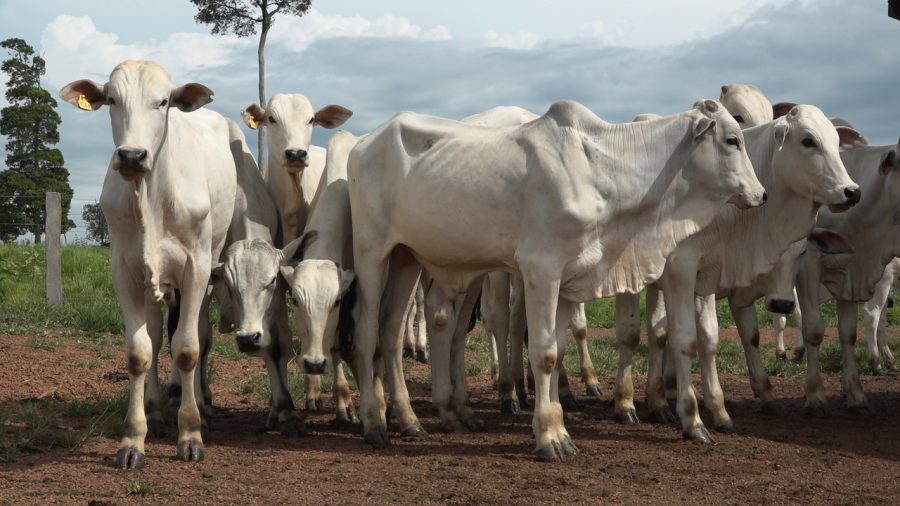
column 405, row 272
column 458, row 377
column 201, row 381
column 495, row 312
column 588, row 373
column 345, row 414
column 779, row 323
column 856, row 399
column 628, row 334
column 708, row 341
column 748, row 329
column 313, row 394
column 813, row 330
column 657, row 340
column 873, row 314
column 441, row 317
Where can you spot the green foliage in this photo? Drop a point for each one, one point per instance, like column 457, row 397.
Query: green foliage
column 241, row 17
column 30, row 124
column 97, row 229
column 138, row 488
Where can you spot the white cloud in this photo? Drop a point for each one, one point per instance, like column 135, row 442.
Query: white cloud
column 439, row 32
column 515, row 40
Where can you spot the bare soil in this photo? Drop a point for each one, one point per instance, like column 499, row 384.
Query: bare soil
column 840, row 459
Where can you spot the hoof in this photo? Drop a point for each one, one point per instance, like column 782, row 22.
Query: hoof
column 814, row 410
column 697, row 434
column 772, row 408
column 293, row 427
column 570, row 403
column 422, row 356
column 726, row 427
column 345, row 417
column 378, row 438
column 408, row 352
column 594, row 391
column 550, row 453
column 156, row 428
column 413, row 432
column 662, row 415
column 129, row 458
column 524, row 403
column 876, row 368
column 190, row 451
column 627, row 417
column 860, row 410
column 781, row 355
column 798, row 354
column 315, row 404
column 510, row 406
column 473, row 424
column 568, row 447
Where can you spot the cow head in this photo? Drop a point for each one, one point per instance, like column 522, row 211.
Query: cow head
column 250, row 273
column 808, row 157
column 140, row 96
column 719, row 159
column 317, row 287
column 747, row 104
column 290, row 120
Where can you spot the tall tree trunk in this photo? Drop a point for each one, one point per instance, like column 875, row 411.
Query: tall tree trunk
column 261, row 54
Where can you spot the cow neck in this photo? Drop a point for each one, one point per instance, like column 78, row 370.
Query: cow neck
column 330, row 216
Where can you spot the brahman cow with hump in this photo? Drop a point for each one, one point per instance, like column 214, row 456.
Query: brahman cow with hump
column 295, row 168
column 169, row 197
column 797, row 160
column 579, row 207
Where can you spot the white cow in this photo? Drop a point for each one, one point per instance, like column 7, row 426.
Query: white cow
column 871, row 230
column 295, row 168
column 169, row 197
column 580, row 207
column 875, row 320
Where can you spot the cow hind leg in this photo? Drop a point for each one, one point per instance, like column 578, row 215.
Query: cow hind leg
column 708, row 341
column 345, row 414
column 282, row 416
column 856, row 399
column 628, row 334
column 441, row 317
column 518, row 337
column 458, row 376
column 588, row 373
column 313, row 395
column 748, row 329
column 152, row 394
column 779, row 323
column 421, row 327
column 657, row 339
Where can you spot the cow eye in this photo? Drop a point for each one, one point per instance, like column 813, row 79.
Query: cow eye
column 164, row 102
column 733, row 141
column 808, row 142
column 272, row 120
column 110, row 101
column 739, row 118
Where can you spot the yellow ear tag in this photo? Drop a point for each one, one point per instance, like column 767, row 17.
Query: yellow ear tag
column 252, row 122
column 84, row 104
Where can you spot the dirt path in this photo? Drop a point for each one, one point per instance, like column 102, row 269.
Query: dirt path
column 776, row 459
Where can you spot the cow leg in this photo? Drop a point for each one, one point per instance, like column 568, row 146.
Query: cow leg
column 343, row 399
column 517, row 330
column 457, row 359
column 873, row 313
column 282, row 415
column 588, row 373
column 779, row 323
column 813, row 330
column 887, row 357
column 708, row 341
column 748, row 329
column 409, row 335
column 546, row 313
column 856, row 399
column 421, row 327
column 139, row 355
column 441, row 317
column 495, row 359
column 152, row 394
column 628, row 334
column 495, row 300
column 657, row 338
column 799, row 348
column 405, row 272
column 314, row 392
column 201, row 381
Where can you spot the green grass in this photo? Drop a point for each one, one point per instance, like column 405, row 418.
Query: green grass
column 138, row 488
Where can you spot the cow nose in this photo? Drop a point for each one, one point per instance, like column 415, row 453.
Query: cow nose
column 295, row 155
column 765, row 197
column 852, row 194
column 314, row 367
column 130, row 156
column 248, row 341
column 783, row 306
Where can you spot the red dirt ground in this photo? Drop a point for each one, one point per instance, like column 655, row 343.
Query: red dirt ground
column 841, row 459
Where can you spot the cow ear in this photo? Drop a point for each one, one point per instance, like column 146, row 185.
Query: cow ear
column 293, row 252
column 191, row 97
column 888, row 162
column 347, row 277
column 850, row 138
column 253, row 115
column 780, row 131
column 287, row 272
column 829, row 242
column 84, row 94
column 703, row 126
column 781, row 108
column 332, row 116
column 217, row 272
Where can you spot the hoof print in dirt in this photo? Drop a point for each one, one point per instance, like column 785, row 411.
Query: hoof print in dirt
column 190, row 451
column 627, row 417
column 129, row 458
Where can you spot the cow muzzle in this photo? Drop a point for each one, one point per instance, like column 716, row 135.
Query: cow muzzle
column 314, row 367
column 783, row 306
column 248, row 342
column 852, row 194
column 745, row 201
column 296, row 159
column 132, row 163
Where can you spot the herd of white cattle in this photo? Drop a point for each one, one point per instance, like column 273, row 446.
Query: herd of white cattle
column 538, row 214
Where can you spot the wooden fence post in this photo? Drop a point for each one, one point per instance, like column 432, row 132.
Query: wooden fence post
column 54, row 258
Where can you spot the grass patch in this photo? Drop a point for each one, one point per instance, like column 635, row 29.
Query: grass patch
column 86, row 364
column 138, row 488
column 40, row 343
column 227, row 349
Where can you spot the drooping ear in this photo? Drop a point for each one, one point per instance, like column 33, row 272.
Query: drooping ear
column 780, row 131
column 293, row 252
column 781, row 108
column 829, row 242
column 703, row 126
column 253, row 115
column 287, row 272
column 888, row 162
column 332, row 116
column 217, row 272
column 84, row 94
column 347, row 277
column 850, row 138
column 191, row 97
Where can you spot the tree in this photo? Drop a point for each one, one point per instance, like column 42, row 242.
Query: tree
column 33, row 167
column 243, row 18
column 97, row 230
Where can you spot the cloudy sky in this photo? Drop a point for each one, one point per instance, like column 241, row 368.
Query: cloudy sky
column 455, row 58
